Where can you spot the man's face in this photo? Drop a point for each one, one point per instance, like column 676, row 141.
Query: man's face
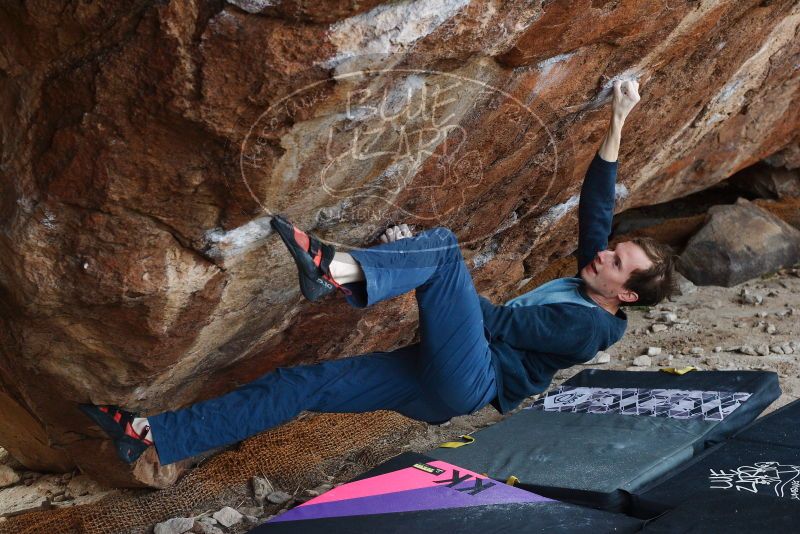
column 607, row 273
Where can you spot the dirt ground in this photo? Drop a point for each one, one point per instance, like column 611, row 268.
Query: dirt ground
column 710, row 328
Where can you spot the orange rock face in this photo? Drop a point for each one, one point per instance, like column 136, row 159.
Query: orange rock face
column 145, row 144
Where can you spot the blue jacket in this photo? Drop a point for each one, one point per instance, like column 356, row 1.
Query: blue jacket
column 530, row 343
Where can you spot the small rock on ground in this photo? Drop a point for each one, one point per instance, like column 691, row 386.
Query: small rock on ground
column 685, row 286
column 278, row 497
column 21, row 499
column 599, row 358
column 176, row 525
column 250, row 510
column 7, row 476
column 747, row 349
column 205, row 528
column 227, row 517
column 322, row 488
column 83, row 485
column 602, row 357
column 748, row 297
column 642, row 361
column 261, row 488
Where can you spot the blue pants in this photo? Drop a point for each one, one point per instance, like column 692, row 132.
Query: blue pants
column 448, row 373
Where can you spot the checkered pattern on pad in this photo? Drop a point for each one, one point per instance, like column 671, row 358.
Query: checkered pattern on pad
column 673, row 403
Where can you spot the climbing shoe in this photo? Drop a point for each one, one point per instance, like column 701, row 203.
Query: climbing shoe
column 117, row 424
column 312, row 257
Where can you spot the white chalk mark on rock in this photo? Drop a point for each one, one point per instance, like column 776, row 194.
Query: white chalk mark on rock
column 389, row 29
column 546, row 65
column 252, row 6
column 234, row 242
column 559, row 211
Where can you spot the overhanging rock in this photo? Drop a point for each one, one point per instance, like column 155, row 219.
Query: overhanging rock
column 142, row 143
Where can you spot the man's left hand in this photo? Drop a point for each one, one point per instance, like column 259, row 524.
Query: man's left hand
column 393, row 233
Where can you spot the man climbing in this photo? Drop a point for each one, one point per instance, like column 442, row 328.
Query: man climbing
column 471, row 352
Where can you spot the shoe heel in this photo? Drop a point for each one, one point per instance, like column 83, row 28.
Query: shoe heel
column 129, row 449
column 314, row 290
column 103, row 420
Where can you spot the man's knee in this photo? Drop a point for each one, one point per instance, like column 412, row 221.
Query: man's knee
column 447, row 240
column 440, row 234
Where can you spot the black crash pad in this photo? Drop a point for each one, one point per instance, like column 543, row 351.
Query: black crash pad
column 729, row 513
column 616, row 432
column 732, row 468
column 415, row 493
column 768, row 449
column 781, row 427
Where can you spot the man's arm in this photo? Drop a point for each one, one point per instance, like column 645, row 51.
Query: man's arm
column 596, row 209
column 626, row 96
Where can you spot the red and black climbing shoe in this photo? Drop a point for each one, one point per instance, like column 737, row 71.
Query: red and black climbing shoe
column 312, row 257
column 117, row 424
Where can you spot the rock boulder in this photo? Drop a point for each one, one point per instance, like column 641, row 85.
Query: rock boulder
column 146, row 143
column 739, row 242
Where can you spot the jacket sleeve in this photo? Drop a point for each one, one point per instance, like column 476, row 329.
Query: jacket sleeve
column 564, row 329
column 596, row 209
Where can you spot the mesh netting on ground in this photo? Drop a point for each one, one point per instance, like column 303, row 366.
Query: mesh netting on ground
column 293, row 455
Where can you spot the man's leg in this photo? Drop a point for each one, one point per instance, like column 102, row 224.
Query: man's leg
column 455, row 363
column 374, row 381
column 345, row 269
column 455, row 359
column 449, row 373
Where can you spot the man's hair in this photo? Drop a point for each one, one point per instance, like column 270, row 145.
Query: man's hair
column 658, row 282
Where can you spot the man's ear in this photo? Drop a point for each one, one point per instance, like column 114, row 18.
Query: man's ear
column 627, row 296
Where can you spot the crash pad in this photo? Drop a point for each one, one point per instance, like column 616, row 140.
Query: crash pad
column 733, row 467
column 781, row 427
column 762, row 385
column 416, row 493
column 728, row 513
column 605, row 434
column 762, row 459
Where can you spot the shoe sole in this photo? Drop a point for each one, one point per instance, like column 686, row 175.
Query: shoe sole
column 103, row 420
column 129, row 450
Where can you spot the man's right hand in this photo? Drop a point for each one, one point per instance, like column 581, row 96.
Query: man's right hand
column 626, row 96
